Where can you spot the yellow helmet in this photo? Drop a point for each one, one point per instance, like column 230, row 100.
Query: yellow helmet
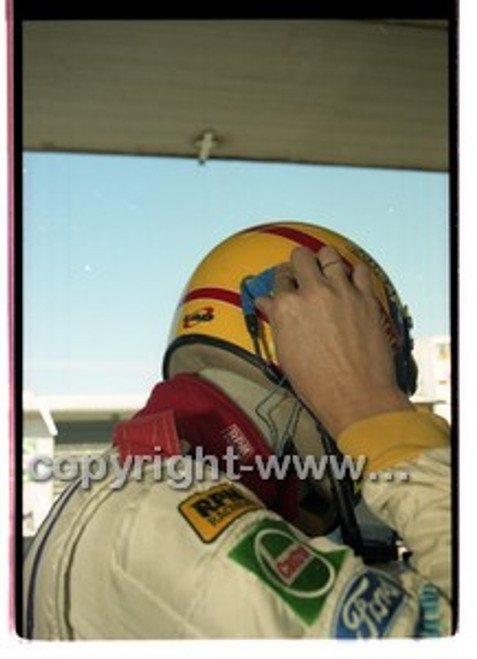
column 209, row 328
column 212, row 336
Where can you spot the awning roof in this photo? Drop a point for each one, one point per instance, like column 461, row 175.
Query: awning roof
column 370, row 93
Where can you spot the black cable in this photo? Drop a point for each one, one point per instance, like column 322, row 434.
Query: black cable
column 342, row 491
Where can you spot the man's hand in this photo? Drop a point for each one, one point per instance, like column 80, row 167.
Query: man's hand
column 330, row 340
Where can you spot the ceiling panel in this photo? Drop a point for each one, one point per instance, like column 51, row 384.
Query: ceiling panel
column 335, row 92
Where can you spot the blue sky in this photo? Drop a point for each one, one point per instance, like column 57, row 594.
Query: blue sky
column 110, row 241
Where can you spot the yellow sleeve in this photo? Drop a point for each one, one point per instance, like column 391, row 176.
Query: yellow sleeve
column 391, row 438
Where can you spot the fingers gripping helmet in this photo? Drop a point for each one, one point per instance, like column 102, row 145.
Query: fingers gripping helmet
column 209, row 329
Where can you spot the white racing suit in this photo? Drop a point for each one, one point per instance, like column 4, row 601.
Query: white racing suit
column 152, row 561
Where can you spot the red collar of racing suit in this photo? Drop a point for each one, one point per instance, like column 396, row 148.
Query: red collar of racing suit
column 192, row 409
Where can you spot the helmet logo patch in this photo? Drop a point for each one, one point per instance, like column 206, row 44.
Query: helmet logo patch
column 203, row 315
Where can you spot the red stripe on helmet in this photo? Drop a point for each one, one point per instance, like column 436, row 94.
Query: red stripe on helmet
column 221, row 294
column 296, row 235
column 211, row 293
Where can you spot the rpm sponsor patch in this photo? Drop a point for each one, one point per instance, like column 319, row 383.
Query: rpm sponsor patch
column 302, row 576
column 368, row 606
column 211, row 512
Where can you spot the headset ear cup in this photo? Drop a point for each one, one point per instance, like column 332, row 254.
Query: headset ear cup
column 404, row 363
column 401, row 371
column 406, row 371
column 412, row 374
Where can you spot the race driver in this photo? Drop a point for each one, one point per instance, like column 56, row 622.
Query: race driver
column 289, row 341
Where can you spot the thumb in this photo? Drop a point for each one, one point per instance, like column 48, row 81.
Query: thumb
column 264, row 303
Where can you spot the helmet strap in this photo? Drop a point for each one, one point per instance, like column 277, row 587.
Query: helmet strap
column 264, row 412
